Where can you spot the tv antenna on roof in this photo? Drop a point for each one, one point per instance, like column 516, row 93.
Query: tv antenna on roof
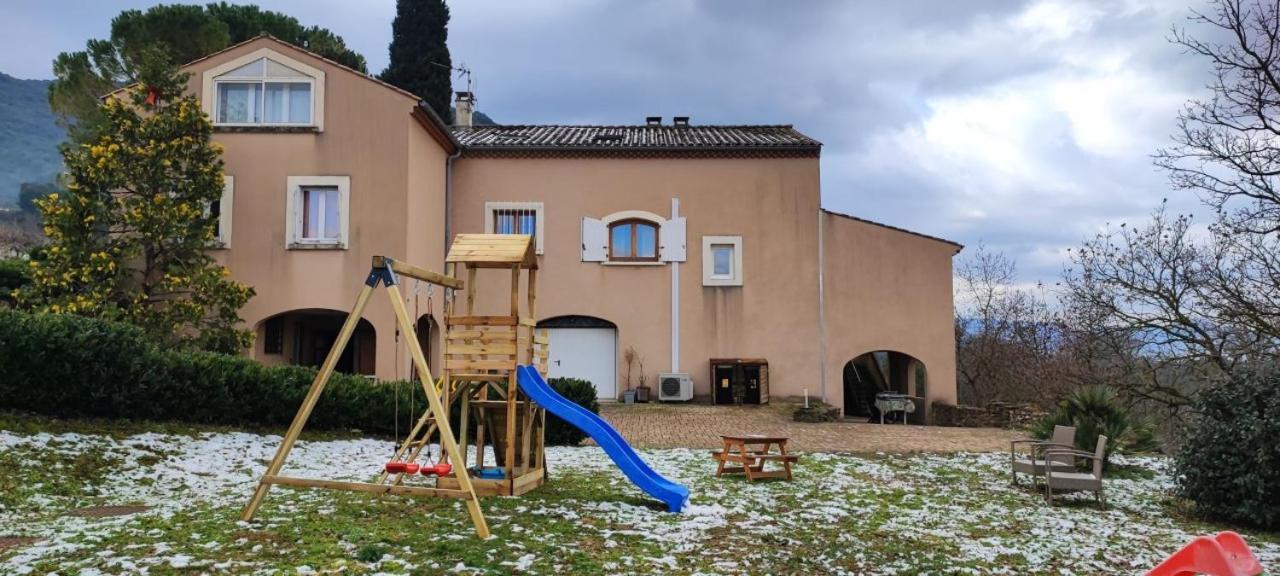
column 460, row 71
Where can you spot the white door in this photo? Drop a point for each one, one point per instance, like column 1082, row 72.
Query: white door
column 586, row 353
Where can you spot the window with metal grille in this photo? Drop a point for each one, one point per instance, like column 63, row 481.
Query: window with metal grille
column 515, row 221
column 515, row 218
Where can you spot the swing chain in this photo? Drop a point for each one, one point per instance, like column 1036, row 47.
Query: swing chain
column 394, row 447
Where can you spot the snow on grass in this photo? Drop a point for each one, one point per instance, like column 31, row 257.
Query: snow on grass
column 842, row 514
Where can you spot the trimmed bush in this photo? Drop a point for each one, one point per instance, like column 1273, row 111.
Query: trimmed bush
column 1229, row 462
column 70, row 366
column 14, row 273
column 74, row 367
column 1096, row 411
column 580, row 392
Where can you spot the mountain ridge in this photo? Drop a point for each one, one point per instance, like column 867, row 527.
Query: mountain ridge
column 29, row 136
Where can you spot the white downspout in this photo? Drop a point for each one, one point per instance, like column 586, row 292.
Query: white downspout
column 675, row 298
column 822, row 315
column 448, row 199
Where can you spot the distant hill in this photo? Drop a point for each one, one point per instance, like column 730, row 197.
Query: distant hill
column 29, row 137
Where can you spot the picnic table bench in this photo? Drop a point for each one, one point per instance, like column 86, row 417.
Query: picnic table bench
column 750, row 452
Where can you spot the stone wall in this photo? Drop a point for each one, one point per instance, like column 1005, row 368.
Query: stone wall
column 995, row 415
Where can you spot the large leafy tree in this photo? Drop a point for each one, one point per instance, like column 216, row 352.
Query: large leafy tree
column 129, row 238
column 180, row 33
column 420, row 53
column 1204, row 300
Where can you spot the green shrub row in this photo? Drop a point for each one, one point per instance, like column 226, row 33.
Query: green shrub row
column 14, row 273
column 580, row 392
column 70, row 367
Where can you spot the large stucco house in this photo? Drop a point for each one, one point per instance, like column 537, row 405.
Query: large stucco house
column 703, row 248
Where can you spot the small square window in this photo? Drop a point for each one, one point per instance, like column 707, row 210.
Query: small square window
column 721, row 260
column 318, row 211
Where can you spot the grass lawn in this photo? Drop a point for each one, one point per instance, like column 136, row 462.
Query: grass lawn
column 920, row 514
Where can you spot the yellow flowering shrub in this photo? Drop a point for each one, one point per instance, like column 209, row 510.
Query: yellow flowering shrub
column 129, row 238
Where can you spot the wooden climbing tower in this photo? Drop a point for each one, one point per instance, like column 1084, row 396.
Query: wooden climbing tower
column 480, row 358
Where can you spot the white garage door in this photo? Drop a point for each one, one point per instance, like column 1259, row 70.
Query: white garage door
column 586, row 353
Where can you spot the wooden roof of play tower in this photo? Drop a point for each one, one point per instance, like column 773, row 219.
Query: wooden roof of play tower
column 493, row 251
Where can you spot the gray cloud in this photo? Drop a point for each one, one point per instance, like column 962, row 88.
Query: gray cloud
column 1024, row 124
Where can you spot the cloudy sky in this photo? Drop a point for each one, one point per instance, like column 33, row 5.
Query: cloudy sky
column 1025, row 125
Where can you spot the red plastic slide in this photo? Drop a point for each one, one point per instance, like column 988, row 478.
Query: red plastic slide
column 1223, row 555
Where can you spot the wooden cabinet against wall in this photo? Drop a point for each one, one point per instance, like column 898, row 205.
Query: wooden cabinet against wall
column 739, row 381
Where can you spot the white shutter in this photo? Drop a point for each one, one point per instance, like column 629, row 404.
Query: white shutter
column 595, row 240
column 671, row 240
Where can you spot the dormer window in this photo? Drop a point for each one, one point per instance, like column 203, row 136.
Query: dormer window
column 264, row 92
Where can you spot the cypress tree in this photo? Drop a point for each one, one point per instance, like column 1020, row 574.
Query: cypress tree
column 420, row 54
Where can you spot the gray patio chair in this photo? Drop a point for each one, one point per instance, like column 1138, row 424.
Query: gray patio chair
column 1033, row 462
column 1064, row 481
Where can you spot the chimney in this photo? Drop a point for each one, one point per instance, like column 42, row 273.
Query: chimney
column 653, row 120
column 463, row 108
column 680, row 120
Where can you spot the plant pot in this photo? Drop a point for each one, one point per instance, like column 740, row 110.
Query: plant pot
column 642, row 394
column 629, row 397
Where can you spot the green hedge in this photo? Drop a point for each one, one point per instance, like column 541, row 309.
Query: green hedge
column 71, row 367
column 14, row 273
column 1229, row 460
column 580, row 392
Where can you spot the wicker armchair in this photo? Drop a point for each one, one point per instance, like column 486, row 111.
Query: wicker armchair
column 1064, row 481
column 1033, row 462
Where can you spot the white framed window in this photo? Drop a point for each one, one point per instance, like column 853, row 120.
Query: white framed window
column 318, row 212
column 515, row 218
column 221, row 212
column 633, row 238
column 721, row 260
column 264, row 89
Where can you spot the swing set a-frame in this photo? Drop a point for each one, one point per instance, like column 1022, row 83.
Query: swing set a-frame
column 481, row 355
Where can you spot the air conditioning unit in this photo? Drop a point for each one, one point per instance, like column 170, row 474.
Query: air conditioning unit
column 675, row 387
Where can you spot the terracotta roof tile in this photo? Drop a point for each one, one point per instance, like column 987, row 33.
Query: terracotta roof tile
column 637, row 137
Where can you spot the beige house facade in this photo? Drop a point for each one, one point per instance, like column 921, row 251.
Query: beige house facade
column 702, row 249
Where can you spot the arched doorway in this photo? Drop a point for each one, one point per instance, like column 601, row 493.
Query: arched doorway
column 584, row 347
column 883, row 371
column 304, row 337
column 429, row 339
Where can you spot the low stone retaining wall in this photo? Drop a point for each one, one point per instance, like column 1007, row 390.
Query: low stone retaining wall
column 995, row 415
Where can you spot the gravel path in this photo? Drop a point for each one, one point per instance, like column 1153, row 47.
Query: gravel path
column 700, row 426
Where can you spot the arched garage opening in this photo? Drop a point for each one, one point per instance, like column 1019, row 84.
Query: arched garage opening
column 429, row 339
column 304, row 337
column 584, row 347
column 883, row 371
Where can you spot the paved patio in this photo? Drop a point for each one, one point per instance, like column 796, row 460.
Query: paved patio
column 700, row 426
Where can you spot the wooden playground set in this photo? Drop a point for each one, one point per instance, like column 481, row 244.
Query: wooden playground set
column 481, row 356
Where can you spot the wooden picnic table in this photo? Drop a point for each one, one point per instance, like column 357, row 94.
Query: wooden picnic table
column 750, row 452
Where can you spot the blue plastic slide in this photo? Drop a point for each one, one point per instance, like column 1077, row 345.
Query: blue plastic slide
column 674, row 495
